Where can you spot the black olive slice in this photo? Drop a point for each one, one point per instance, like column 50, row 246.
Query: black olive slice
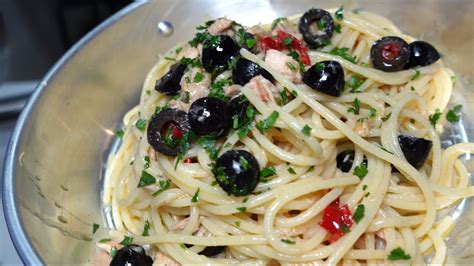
column 165, row 130
column 345, row 160
column 212, row 251
column 132, row 255
column 209, row 116
column 245, row 70
column 217, row 52
column 317, row 27
column 422, row 54
column 326, row 77
column 169, row 83
column 416, row 150
column 390, row 54
column 236, row 172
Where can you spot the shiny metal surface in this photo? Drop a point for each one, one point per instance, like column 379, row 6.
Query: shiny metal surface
column 61, row 142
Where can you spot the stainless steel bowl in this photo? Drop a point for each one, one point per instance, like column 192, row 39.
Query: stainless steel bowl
column 56, row 156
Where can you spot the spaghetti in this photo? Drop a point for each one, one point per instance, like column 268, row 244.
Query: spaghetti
column 178, row 209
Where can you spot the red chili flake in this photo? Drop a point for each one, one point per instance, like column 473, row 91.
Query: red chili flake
column 390, row 51
column 177, row 133
column 277, row 43
column 335, row 218
column 189, row 160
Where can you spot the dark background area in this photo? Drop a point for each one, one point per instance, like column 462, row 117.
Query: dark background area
column 34, row 34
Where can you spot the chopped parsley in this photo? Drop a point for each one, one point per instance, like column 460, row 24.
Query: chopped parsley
column 250, row 42
column 146, row 228
column 267, row 172
column 170, row 58
column 244, row 163
column 453, row 115
column 288, row 41
column 146, row 179
column 372, row 112
column 283, row 99
column 208, row 143
column 206, row 25
column 306, row 130
column 320, row 67
column 127, row 240
column 178, row 50
column 367, row 194
column 198, row 77
column 387, row 117
column 242, row 209
column 196, row 196
column 338, row 28
column 361, row 171
column 290, row 66
column 356, row 108
column 309, row 169
column 264, row 125
column 217, row 89
column 147, row 162
column 184, row 145
column 237, row 223
column 288, row 241
column 412, row 88
column 214, row 183
column 105, row 240
column 364, row 187
column 344, row 53
column 120, row 133
column 244, row 38
column 453, row 79
column 164, row 185
column 233, row 62
column 194, row 62
column 95, row 227
column 291, row 170
column 294, row 93
column 113, row 251
column 340, row 13
column 435, row 117
column 345, row 228
column 141, row 124
column 245, row 126
column 398, row 254
column 416, row 75
column 322, row 24
column 277, row 21
column 359, row 213
column 183, row 246
column 354, row 82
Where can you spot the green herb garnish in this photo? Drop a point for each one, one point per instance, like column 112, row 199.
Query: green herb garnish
column 435, row 117
column 340, row 13
column 242, row 209
column 345, row 228
column 306, row 130
column 264, row 125
column 359, row 213
column 361, row 171
column 208, row 143
column 416, row 75
column 288, row 241
column 244, row 163
column 386, row 117
column 398, row 254
column 453, row 115
column 120, row 133
column 127, row 241
column 356, row 108
column 291, row 170
column 95, row 227
column 338, row 28
column 196, row 196
column 146, row 228
column 164, row 185
column 141, row 124
column 198, row 77
column 372, row 112
column 146, row 179
column 344, row 53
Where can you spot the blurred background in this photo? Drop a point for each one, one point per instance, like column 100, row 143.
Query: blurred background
column 33, row 36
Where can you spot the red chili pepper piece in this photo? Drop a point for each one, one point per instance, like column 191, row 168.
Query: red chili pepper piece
column 189, row 160
column 177, row 133
column 335, row 218
column 277, row 43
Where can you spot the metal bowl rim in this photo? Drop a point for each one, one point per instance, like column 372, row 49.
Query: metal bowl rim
column 20, row 240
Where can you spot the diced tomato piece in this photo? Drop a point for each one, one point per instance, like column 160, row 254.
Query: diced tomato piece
column 277, row 43
column 335, row 218
column 177, row 133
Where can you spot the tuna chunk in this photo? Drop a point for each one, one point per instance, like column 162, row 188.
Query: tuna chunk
column 263, row 88
column 284, row 64
column 219, row 26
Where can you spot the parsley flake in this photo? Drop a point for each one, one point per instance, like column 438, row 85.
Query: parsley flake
column 242, row 209
column 244, row 163
column 146, row 228
column 164, row 185
column 196, row 196
column 141, row 124
column 291, row 170
column 453, row 115
column 264, row 125
column 356, row 108
column 127, row 241
column 105, row 240
column 288, row 241
column 198, row 77
column 416, row 75
column 345, row 228
column 338, row 28
column 359, row 213
column 344, row 53
column 306, row 130
column 372, row 112
column 290, row 66
column 340, row 13
column 113, row 251
column 146, row 179
column 398, row 254
column 237, row 223
column 435, row 117
column 120, row 133
column 361, row 171
column 95, row 227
